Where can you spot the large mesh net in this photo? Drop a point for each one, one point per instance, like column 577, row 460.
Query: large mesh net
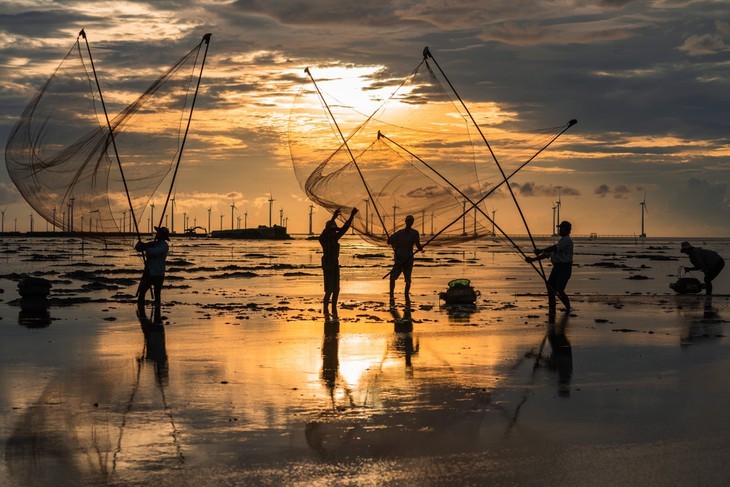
column 394, row 148
column 60, row 153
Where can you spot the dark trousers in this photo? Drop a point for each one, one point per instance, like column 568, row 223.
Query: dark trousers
column 712, row 273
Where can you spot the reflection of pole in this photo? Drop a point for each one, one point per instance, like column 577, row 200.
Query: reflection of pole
column 354, row 161
column 432, row 223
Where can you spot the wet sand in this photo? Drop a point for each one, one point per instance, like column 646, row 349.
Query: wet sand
column 246, row 383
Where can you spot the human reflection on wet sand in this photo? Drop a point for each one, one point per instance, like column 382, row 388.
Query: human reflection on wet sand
column 561, row 356
column 89, row 425
column 155, row 350
column 701, row 321
column 403, row 339
column 323, row 435
column 560, row 361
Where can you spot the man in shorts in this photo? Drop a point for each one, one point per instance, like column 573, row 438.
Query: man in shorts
column 154, row 271
column 561, row 256
column 329, row 239
column 403, row 242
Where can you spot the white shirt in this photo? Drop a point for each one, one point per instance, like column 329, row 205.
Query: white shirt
column 563, row 253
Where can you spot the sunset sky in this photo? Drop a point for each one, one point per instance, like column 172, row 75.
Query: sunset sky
column 648, row 82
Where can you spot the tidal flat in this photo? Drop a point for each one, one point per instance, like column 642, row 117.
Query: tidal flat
column 245, row 383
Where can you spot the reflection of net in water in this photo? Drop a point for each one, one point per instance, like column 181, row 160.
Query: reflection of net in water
column 417, row 153
column 61, row 154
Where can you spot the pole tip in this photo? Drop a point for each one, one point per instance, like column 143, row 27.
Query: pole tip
column 572, row 122
column 426, row 53
column 82, row 33
column 206, row 38
column 379, row 134
column 306, row 70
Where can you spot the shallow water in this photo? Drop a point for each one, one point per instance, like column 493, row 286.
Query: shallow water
column 246, row 383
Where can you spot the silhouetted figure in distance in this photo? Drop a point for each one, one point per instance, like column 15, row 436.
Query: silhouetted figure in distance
column 707, row 261
column 154, row 271
column 403, row 242
column 561, row 256
column 329, row 239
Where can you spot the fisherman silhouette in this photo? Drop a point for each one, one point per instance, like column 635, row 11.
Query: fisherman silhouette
column 561, row 255
column 707, row 261
column 154, row 271
column 403, row 242
column 329, row 239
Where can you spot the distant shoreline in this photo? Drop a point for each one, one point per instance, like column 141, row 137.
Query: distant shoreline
column 304, row 236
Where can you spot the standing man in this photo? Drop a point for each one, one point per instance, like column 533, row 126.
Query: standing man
column 329, row 239
column 154, row 271
column 561, row 256
column 707, row 261
column 403, row 242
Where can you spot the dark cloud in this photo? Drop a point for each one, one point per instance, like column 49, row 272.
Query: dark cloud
column 618, row 191
column 533, row 189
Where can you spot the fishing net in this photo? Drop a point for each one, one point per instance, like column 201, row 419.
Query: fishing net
column 61, row 155
column 397, row 147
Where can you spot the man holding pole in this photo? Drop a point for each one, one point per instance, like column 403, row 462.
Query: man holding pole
column 403, row 242
column 561, row 256
column 154, row 271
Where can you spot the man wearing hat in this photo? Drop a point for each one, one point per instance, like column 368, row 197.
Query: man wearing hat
column 561, row 256
column 154, row 271
column 707, row 261
column 329, row 239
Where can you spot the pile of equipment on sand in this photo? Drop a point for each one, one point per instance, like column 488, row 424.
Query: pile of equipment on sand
column 460, row 291
column 686, row 285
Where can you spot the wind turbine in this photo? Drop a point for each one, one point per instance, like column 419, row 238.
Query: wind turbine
column 557, row 207
column 172, row 213
column 493, row 213
column 271, row 206
column 152, row 216
column 395, row 207
column 643, row 210
column 554, row 224
column 209, row 229
column 233, row 207
column 367, row 214
column 3, row 224
column 311, row 212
